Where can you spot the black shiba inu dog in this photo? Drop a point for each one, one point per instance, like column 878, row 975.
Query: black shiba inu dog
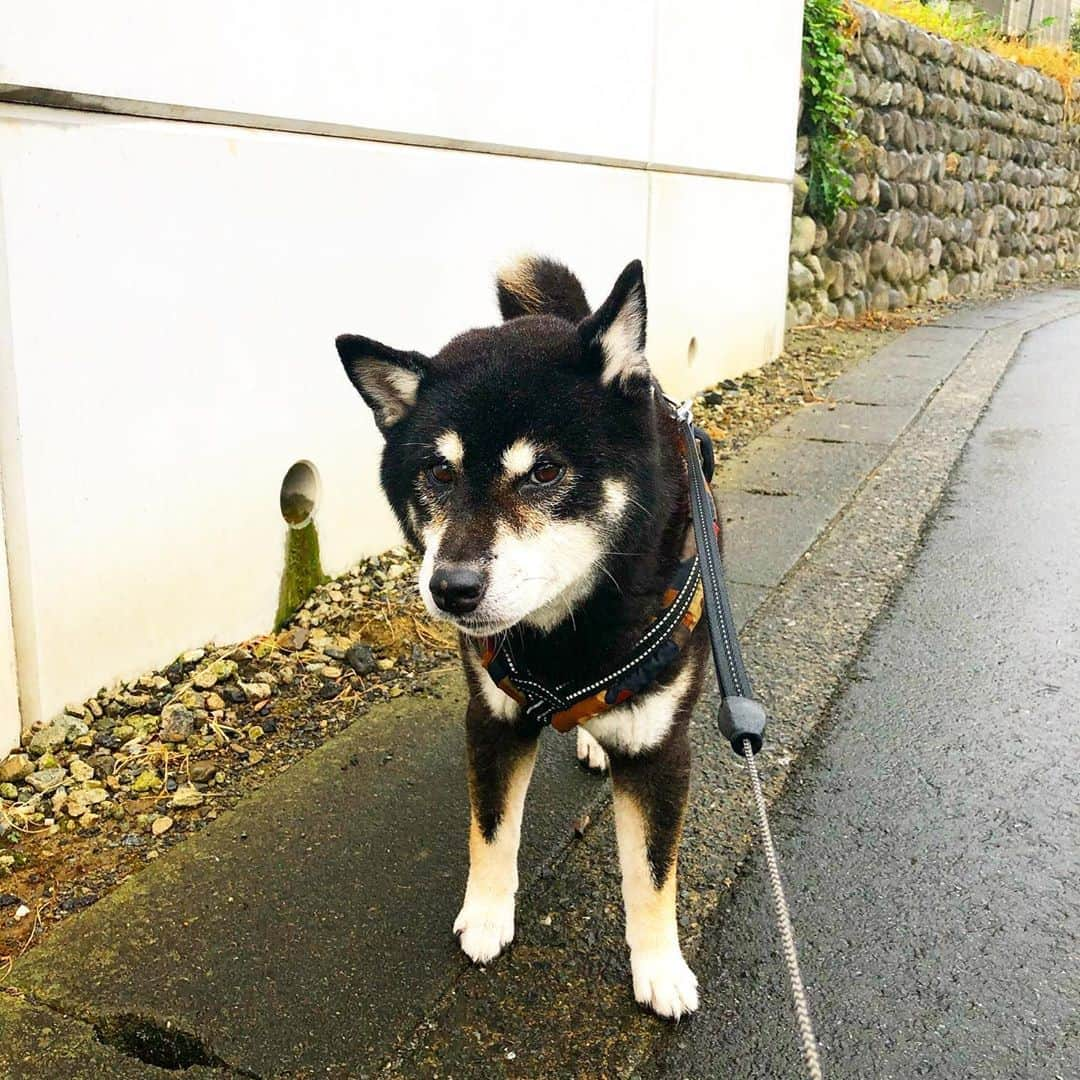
column 540, row 471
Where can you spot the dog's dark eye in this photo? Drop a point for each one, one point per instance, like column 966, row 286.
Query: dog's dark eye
column 442, row 474
column 545, row 473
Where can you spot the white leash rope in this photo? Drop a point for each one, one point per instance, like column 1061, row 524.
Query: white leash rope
column 783, row 922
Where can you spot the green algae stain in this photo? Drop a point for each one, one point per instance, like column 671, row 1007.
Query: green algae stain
column 302, row 574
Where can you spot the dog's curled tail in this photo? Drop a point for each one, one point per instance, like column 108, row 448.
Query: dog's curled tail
column 535, row 285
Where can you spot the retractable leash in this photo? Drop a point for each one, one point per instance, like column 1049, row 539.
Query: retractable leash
column 741, row 719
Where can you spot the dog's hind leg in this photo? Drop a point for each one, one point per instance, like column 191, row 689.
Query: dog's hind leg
column 501, row 755
column 650, row 803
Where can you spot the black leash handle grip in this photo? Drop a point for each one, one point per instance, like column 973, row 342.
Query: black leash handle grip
column 740, row 717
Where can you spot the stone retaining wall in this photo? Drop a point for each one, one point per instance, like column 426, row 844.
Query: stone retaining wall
column 966, row 175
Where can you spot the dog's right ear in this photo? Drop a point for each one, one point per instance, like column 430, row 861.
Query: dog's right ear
column 388, row 380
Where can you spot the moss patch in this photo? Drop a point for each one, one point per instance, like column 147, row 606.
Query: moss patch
column 303, row 572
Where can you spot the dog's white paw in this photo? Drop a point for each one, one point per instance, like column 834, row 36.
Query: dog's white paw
column 664, row 983
column 484, row 928
column 590, row 753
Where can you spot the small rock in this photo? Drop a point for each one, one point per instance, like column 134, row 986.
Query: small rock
column 54, row 735
column 361, row 659
column 16, row 767
column 234, row 695
column 214, row 702
column 21, row 912
column 294, row 639
column 191, row 699
column 147, row 780
column 211, row 674
column 330, row 671
column 134, row 701
column 177, row 723
column 192, row 656
column 75, row 903
column 201, row 772
column 255, row 756
column 80, row 801
column 133, row 840
column 80, row 770
column 161, row 825
column 386, row 663
column 104, row 765
column 9, row 791
column 46, row 779
column 8, row 900
column 187, row 796
column 255, row 691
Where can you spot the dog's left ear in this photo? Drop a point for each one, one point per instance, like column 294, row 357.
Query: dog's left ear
column 388, row 379
column 614, row 334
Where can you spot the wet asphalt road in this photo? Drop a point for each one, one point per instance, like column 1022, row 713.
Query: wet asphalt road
column 931, row 838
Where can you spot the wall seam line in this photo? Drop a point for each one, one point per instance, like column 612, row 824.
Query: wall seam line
column 43, row 97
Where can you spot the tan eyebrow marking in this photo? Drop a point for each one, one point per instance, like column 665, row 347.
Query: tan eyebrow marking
column 450, row 446
column 518, row 458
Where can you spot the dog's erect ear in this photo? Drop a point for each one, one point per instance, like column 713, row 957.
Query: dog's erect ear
column 388, row 380
column 615, row 333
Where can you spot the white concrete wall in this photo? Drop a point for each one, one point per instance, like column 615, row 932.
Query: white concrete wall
column 174, row 287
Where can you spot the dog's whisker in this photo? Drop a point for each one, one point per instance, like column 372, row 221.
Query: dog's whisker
column 605, row 570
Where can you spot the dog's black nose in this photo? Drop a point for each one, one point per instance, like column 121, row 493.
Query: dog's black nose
column 457, row 589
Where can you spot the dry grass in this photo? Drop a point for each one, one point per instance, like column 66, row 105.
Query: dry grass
column 1057, row 61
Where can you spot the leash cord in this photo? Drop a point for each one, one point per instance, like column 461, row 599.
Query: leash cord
column 783, row 923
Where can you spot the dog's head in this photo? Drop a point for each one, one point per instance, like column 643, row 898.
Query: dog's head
column 519, row 457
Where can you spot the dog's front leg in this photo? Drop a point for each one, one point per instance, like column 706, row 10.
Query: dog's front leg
column 650, row 803
column 501, row 754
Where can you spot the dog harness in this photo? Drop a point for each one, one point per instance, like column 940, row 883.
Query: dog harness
column 565, row 705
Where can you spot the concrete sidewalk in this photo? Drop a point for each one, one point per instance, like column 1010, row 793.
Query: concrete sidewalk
column 307, row 933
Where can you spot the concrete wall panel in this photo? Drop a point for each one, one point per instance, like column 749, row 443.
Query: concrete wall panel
column 714, row 278
column 559, row 75
column 726, row 83
column 175, row 290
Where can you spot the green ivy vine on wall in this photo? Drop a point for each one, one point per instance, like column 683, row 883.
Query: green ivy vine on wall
column 826, row 117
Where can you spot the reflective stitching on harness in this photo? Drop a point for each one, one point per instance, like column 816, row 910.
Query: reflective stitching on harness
column 683, row 602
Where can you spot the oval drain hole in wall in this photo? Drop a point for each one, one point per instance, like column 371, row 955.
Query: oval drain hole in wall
column 691, row 351
column 299, row 494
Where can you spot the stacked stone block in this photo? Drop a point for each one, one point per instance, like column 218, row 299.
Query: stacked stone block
column 966, row 175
